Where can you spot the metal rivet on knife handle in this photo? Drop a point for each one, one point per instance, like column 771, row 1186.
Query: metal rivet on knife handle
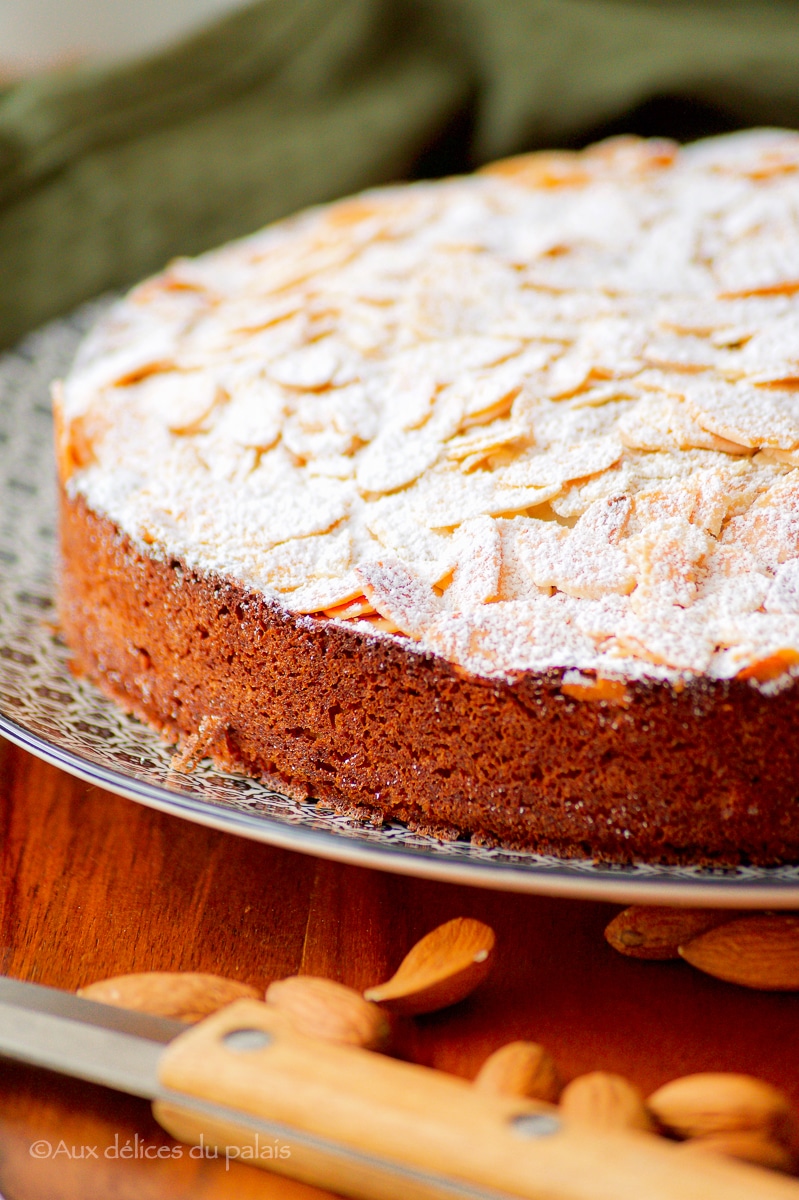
column 244, row 1040
column 535, row 1125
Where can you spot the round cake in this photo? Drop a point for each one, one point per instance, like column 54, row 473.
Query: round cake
column 471, row 503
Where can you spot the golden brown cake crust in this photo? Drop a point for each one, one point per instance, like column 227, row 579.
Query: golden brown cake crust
column 705, row 773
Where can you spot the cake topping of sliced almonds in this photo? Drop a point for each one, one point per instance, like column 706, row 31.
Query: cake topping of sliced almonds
column 545, row 416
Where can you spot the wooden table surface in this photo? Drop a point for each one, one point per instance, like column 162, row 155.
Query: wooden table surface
column 93, row 885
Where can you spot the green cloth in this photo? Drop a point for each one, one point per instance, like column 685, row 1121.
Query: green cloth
column 107, row 173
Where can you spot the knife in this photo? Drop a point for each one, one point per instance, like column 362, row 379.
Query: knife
column 350, row 1120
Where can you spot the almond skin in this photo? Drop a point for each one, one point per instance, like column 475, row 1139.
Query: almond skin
column 756, row 952
column 182, row 995
column 605, row 1101
column 520, row 1069
column 442, row 968
column 657, row 933
column 746, row 1146
column 703, row 1105
column 322, row 1008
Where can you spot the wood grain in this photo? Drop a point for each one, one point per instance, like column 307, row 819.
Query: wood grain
column 92, row 885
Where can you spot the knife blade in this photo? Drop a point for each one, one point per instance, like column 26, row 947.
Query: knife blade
column 351, row 1120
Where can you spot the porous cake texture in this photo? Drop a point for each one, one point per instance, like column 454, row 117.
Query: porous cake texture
column 472, row 502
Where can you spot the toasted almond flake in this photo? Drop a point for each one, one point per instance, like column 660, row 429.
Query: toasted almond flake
column 77, row 441
column 667, row 636
column 477, row 548
column 784, row 287
column 772, row 666
column 606, row 393
column 732, row 583
column 309, row 368
column 491, row 396
column 540, row 635
column 399, row 531
column 789, row 458
column 398, row 595
column 555, row 169
column 663, row 423
column 604, row 691
column 490, row 437
column 665, row 560
column 381, row 624
column 770, row 528
column 752, row 637
column 746, row 415
column 324, row 594
column 560, row 466
column 714, row 500
column 359, row 607
column 395, row 459
column 415, row 400
column 586, row 562
column 253, row 418
column 514, row 578
column 683, row 354
column 445, row 498
column 292, row 564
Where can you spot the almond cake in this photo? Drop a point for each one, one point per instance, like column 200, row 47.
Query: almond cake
column 472, row 503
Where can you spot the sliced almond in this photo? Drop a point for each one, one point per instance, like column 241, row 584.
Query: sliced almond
column 596, row 689
column 398, row 595
column 605, row 1101
column 322, row 1008
column 441, row 969
column 360, row 607
column 712, row 1103
column 520, row 1069
column 182, row 995
column 747, row 1147
column 757, row 952
column 545, row 169
column 657, row 933
column 477, row 546
column 381, row 624
column 770, row 667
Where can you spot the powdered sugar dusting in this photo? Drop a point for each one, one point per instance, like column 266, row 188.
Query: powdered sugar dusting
column 547, row 416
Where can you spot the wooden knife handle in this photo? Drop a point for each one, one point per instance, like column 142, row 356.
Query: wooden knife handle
column 420, row 1120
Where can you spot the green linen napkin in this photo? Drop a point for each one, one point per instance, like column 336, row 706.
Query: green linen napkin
column 108, row 172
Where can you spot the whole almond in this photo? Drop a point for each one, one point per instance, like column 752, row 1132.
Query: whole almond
column 697, row 1106
column 520, row 1069
column 605, row 1101
column 757, row 952
column 183, row 995
column 747, row 1146
column 656, row 933
column 442, row 968
column 322, row 1008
